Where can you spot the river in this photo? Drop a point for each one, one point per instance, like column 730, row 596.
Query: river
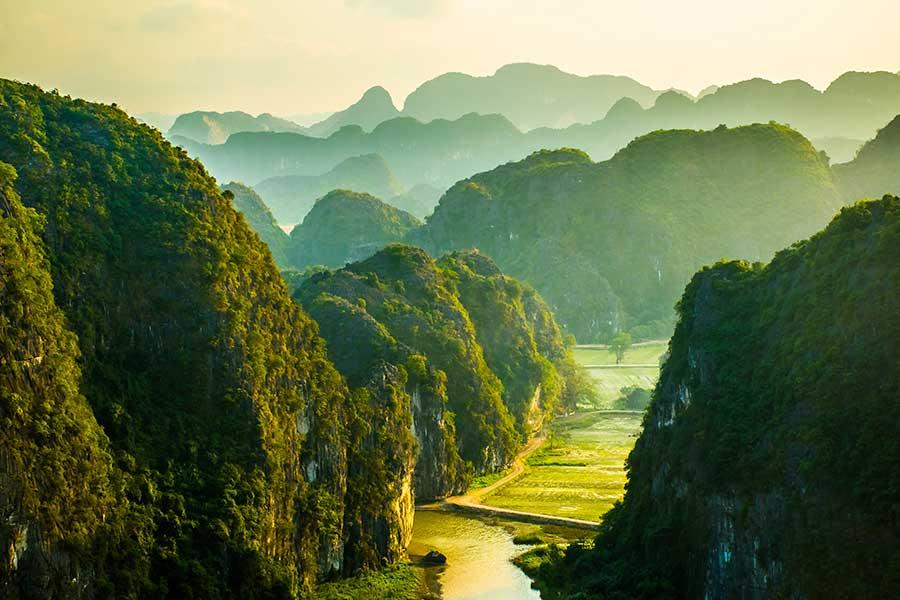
column 478, row 558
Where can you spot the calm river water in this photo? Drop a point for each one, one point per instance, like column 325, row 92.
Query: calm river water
column 478, row 558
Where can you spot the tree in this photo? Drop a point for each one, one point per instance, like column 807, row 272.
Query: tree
column 620, row 345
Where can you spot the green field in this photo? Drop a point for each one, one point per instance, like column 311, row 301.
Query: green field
column 610, row 379
column 643, row 353
column 401, row 581
column 580, row 473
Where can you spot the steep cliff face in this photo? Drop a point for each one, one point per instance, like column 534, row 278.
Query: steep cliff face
column 767, row 464
column 56, row 475
column 394, row 376
column 521, row 346
column 609, row 245
column 401, row 289
column 227, row 425
column 485, row 360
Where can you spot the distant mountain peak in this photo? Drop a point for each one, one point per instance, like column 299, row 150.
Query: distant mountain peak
column 374, row 107
column 375, row 93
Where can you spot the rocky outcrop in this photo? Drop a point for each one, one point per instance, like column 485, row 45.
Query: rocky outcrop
column 371, row 359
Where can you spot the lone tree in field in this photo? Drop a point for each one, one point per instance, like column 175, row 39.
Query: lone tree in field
column 620, row 345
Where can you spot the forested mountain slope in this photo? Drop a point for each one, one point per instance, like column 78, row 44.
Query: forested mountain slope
column 260, row 218
column 292, row 197
column 502, row 353
column 875, row 170
column 58, row 490
column 235, row 444
column 609, row 245
column 345, row 226
column 767, row 466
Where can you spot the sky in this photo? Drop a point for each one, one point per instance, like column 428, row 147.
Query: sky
column 292, row 57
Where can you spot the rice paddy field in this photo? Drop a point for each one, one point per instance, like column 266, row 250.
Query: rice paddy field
column 579, row 472
column 639, row 368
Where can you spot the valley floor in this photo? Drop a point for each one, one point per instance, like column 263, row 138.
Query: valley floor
column 578, row 474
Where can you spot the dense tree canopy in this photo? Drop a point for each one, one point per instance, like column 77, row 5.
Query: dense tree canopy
column 768, row 461
column 232, row 437
column 610, row 245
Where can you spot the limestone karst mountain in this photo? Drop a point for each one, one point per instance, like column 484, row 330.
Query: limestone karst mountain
column 875, row 170
column 375, row 106
column 214, row 128
column 609, row 245
column 292, row 196
column 345, row 226
column 748, row 478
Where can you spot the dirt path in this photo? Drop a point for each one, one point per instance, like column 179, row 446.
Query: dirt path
column 471, row 501
column 518, row 468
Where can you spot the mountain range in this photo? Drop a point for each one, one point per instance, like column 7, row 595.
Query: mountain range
column 610, row 244
column 292, row 196
column 441, row 152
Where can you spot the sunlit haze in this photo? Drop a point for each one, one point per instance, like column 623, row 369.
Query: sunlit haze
column 302, row 57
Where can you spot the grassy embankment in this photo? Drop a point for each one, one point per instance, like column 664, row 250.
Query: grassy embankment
column 401, row 582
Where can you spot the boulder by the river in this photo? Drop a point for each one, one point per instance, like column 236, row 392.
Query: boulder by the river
column 434, row 558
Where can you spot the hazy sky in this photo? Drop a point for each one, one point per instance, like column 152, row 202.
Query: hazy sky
column 290, row 57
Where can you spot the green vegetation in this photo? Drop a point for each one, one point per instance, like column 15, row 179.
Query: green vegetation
column 344, row 227
column 260, row 218
column 528, row 539
column 493, row 338
column 537, row 561
column 620, row 345
column 580, row 473
column 768, row 456
column 456, row 125
column 58, row 489
column 611, row 384
column 610, row 244
column 641, row 353
column 875, row 170
column 399, row 582
column 635, row 398
column 623, row 386
column 238, row 462
column 483, row 481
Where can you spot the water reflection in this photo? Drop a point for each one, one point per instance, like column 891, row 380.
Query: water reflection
column 478, row 558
